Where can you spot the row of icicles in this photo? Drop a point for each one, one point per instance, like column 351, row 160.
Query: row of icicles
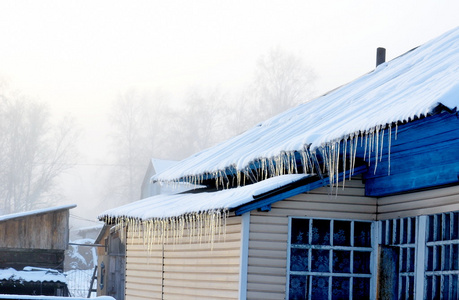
column 286, row 162
column 201, row 227
column 205, row 227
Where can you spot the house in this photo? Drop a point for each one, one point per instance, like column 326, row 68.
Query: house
column 110, row 263
column 353, row 195
column 32, row 251
column 150, row 188
column 111, row 257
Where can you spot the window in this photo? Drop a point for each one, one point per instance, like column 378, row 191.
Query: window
column 329, row 259
column 442, row 261
column 401, row 235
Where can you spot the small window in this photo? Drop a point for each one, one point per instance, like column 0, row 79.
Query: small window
column 442, row 261
column 400, row 237
column 329, row 259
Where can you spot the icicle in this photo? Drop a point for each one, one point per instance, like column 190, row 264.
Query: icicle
column 389, row 148
column 365, row 149
column 337, row 155
column 370, row 146
column 376, row 147
column 382, row 144
column 344, row 160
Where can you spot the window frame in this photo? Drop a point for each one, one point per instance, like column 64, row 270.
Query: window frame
column 372, row 263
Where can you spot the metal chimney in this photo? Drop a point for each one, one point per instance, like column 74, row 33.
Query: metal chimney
column 380, row 56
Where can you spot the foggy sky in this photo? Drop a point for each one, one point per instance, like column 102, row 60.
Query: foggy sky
column 79, row 56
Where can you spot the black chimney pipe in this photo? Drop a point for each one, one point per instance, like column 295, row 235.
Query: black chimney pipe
column 380, row 56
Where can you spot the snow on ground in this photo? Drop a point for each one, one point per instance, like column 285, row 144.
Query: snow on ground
column 78, row 282
column 29, row 274
column 24, row 297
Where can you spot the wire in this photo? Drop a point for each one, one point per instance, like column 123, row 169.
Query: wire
column 84, row 219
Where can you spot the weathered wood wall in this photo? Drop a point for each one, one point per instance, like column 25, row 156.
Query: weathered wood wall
column 267, row 262
column 48, row 230
column 111, row 274
column 184, row 270
column 41, row 258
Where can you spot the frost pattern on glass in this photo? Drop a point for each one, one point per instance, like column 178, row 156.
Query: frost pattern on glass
column 361, row 288
column 330, row 255
column 299, row 259
column 442, row 262
column 297, row 287
column 342, row 233
column 361, row 262
column 319, row 290
column 362, row 234
column 321, row 232
column 300, row 231
column 401, row 233
column 340, row 288
column 320, row 260
column 342, row 261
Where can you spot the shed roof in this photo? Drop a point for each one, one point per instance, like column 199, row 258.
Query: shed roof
column 35, row 212
column 30, row 274
column 175, row 205
column 408, row 87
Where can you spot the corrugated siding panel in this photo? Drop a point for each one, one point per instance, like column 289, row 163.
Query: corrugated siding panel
column 210, row 273
column 421, row 203
column 185, row 270
column 269, row 232
column 143, row 270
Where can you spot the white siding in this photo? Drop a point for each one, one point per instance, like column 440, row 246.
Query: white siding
column 269, row 232
column 185, row 270
column 420, row 203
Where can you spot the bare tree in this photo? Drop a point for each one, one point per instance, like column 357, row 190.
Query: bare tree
column 201, row 122
column 145, row 126
column 138, row 120
column 282, row 80
column 34, row 153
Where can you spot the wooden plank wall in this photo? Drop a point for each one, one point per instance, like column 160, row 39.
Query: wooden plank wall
column 185, row 270
column 41, row 231
column 269, row 232
column 420, row 203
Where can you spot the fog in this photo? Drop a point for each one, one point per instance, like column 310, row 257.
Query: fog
column 164, row 79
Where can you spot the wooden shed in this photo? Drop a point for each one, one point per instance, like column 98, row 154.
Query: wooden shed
column 353, row 195
column 111, row 263
column 35, row 238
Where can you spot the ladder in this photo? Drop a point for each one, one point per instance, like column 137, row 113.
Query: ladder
column 91, row 286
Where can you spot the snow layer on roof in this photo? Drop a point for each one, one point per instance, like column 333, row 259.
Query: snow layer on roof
column 15, row 297
column 409, row 86
column 161, row 165
column 35, row 212
column 165, row 206
column 30, row 274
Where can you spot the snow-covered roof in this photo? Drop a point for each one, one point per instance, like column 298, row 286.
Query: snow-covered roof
column 31, row 274
column 35, row 212
column 161, row 165
column 166, row 206
column 29, row 297
column 88, row 228
column 407, row 87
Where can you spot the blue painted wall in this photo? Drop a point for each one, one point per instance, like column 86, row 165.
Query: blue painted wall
column 424, row 155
